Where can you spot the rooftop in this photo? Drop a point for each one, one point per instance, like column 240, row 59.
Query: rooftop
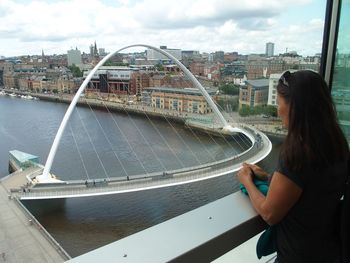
column 258, row 83
column 187, row 91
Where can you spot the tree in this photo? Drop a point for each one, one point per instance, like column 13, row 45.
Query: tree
column 117, row 64
column 228, row 103
column 159, row 67
column 77, row 73
column 229, row 88
column 258, row 110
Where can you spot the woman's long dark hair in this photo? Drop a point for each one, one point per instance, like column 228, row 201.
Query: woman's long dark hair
column 314, row 136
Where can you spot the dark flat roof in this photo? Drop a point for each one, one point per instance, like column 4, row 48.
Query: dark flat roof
column 258, row 83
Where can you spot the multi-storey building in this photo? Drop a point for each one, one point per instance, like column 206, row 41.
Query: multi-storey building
column 74, row 57
column 254, row 93
column 181, row 100
column 118, row 80
column 110, row 79
column 219, row 56
column 5, row 67
column 27, row 78
column 197, row 68
column 138, row 81
column 157, row 80
column 230, row 57
column 190, row 54
column 161, row 80
column 269, row 50
column 155, row 55
column 234, row 72
column 262, row 68
column 272, row 96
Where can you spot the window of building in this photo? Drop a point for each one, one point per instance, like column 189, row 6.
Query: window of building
column 195, row 107
column 175, row 105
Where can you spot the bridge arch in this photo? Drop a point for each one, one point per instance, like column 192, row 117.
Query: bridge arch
column 46, row 177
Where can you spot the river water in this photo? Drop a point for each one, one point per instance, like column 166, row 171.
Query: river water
column 82, row 224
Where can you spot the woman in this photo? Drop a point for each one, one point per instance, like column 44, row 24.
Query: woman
column 303, row 197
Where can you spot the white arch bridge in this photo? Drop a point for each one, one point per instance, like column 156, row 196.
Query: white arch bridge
column 43, row 185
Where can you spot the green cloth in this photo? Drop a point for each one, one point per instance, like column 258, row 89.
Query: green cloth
column 262, row 185
column 266, row 244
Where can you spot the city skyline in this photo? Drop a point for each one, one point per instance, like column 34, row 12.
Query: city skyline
column 207, row 26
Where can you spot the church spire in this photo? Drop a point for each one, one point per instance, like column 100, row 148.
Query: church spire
column 95, row 49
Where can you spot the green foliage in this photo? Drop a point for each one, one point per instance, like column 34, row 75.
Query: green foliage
column 159, row 67
column 228, row 103
column 55, row 91
column 117, row 64
column 229, row 88
column 258, row 110
column 77, row 73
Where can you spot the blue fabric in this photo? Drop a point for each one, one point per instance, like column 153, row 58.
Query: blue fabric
column 262, row 186
column 266, row 244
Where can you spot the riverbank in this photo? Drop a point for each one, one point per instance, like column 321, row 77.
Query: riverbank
column 198, row 122
column 191, row 120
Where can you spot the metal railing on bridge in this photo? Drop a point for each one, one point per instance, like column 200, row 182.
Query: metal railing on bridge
column 81, row 188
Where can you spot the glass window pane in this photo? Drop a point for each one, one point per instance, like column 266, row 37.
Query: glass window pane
column 341, row 77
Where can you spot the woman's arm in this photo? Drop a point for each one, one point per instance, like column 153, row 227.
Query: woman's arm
column 258, row 171
column 282, row 195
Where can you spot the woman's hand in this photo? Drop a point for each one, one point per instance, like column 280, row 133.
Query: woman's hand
column 258, row 171
column 245, row 174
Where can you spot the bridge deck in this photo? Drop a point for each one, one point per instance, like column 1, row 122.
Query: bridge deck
column 18, row 179
column 96, row 187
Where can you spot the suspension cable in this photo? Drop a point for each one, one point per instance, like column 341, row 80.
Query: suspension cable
column 81, row 157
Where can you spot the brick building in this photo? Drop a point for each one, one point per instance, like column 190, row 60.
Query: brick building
column 254, row 93
column 181, row 100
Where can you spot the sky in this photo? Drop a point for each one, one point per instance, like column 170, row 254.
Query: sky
column 29, row 26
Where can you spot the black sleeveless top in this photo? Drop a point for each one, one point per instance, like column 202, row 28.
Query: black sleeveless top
column 309, row 231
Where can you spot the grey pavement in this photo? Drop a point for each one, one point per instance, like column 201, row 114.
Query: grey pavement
column 21, row 240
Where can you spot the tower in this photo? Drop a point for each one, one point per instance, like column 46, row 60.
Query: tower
column 95, row 50
column 269, row 51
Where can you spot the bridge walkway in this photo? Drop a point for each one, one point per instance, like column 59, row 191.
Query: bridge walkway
column 22, row 238
column 97, row 187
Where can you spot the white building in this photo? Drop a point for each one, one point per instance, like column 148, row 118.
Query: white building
column 273, row 81
column 155, row 55
column 113, row 72
column 102, row 52
column 74, row 57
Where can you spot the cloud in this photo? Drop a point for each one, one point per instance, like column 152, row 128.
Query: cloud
column 184, row 14
column 204, row 25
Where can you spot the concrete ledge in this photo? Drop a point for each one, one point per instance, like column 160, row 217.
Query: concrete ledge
column 200, row 235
